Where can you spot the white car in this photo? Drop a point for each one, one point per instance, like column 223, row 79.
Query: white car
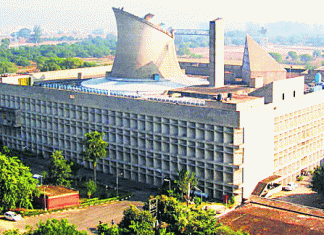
column 290, row 186
column 10, row 215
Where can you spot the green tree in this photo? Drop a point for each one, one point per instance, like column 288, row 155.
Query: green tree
column 17, row 185
column 186, row 181
column 317, row 183
column 5, row 42
column 48, row 66
column 7, row 67
column 276, row 56
column 306, row 57
column 133, row 217
column 37, row 33
column 50, row 227
column 317, row 53
column 309, row 66
column 293, row 55
column 91, row 187
column 95, row 149
column 105, row 229
column 24, row 33
column 12, row 232
column 59, row 170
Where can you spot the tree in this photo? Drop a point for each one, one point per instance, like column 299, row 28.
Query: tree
column 95, row 149
column 17, row 185
column 91, row 187
column 59, row 170
column 105, row 229
column 185, row 182
column 293, row 55
column 276, row 56
column 306, row 57
column 133, row 217
column 317, row 53
column 36, row 37
column 50, row 227
column 24, row 33
column 309, row 66
column 7, row 67
column 5, row 42
column 317, row 183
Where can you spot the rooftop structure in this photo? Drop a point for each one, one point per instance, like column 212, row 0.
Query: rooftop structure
column 150, row 52
column 257, row 63
column 145, row 64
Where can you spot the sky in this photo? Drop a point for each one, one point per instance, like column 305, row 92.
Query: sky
column 87, row 15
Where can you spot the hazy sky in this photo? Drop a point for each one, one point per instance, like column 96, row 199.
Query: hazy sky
column 86, row 15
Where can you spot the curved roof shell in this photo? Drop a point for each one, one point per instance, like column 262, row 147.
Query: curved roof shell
column 143, row 49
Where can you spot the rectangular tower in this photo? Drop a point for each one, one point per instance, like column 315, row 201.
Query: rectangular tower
column 216, row 52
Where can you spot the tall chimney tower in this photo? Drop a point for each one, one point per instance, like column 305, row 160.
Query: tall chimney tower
column 216, row 53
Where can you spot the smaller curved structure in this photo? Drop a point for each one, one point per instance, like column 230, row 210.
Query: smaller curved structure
column 144, row 50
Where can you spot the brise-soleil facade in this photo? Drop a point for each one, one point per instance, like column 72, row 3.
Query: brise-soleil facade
column 230, row 143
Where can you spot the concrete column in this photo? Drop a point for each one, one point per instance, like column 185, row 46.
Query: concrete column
column 80, row 76
column 216, row 53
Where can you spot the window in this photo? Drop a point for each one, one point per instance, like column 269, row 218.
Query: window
column 283, row 96
column 294, row 93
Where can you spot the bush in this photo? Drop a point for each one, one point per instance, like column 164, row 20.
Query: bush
column 300, row 178
column 232, row 202
column 197, row 200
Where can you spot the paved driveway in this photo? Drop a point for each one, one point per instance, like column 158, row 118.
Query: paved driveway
column 302, row 195
column 85, row 219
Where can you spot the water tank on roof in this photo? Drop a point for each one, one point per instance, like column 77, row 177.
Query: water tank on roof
column 318, row 78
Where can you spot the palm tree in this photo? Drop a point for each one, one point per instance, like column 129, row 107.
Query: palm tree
column 95, row 149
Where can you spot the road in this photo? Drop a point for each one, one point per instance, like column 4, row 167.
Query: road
column 84, row 218
column 303, row 195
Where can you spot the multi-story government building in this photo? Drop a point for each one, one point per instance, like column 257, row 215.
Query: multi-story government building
column 231, row 136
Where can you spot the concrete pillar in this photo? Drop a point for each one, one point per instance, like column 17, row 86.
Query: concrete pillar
column 216, row 53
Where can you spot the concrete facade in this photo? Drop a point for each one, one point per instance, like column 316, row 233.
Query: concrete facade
column 150, row 51
column 147, row 139
column 230, row 145
column 259, row 63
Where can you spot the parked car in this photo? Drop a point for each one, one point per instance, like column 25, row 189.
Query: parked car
column 290, row 186
column 10, row 215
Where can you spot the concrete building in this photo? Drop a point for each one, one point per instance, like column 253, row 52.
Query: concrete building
column 232, row 137
column 258, row 64
column 150, row 52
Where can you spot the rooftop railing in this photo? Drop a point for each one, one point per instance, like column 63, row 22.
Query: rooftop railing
column 126, row 94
